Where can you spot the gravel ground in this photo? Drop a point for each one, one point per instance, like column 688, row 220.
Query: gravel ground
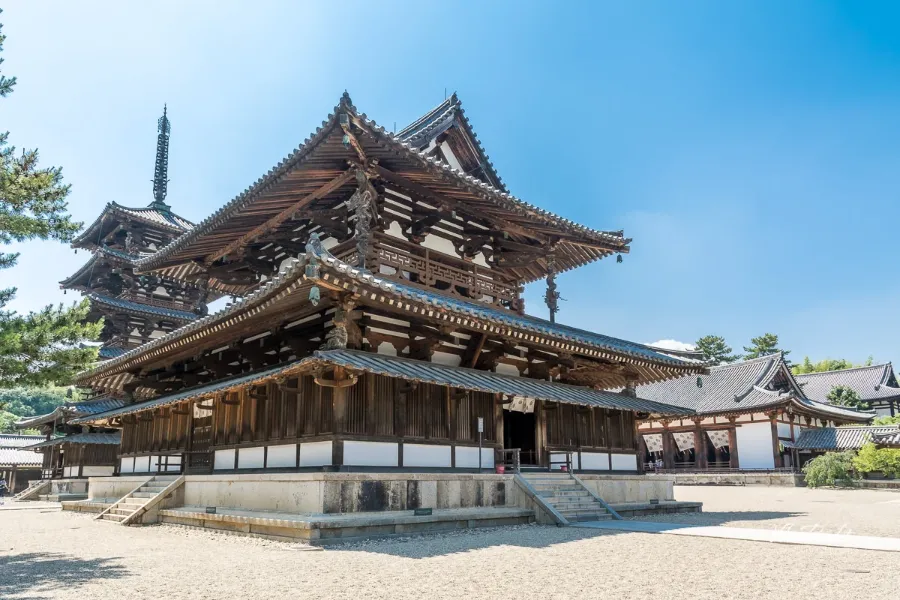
column 49, row 554
column 856, row 512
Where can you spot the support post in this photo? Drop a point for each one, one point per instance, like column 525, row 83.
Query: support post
column 700, row 458
column 734, row 460
column 668, row 447
column 776, row 445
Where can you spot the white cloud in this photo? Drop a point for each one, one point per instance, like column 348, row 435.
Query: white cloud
column 672, row 345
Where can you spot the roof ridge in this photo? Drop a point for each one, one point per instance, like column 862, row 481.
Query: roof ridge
column 860, row 368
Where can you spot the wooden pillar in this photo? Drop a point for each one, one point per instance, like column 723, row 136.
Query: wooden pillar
column 668, row 444
column 12, row 481
column 776, row 445
column 700, row 460
column 733, row 446
column 642, row 449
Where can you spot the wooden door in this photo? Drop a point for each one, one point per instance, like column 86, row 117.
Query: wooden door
column 199, row 456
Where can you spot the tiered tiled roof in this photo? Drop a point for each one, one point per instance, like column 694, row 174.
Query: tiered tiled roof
column 70, row 410
column 876, row 382
column 165, row 220
column 653, row 363
column 142, row 309
column 740, row 387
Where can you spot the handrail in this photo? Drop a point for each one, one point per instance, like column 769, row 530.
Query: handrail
column 609, row 508
column 153, row 501
column 515, row 463
column 561, row 521
column 567, row 462
column 128, row 495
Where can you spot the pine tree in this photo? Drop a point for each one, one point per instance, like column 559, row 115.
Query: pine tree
column 48, row 345
column 715, row 350
column 763, row 345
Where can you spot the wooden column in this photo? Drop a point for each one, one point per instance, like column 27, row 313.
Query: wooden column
column 733, row 446
column 776, row 449
column 668, row 444
column 642, row 449
column 700, row 460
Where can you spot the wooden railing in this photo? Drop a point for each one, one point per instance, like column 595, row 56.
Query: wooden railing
column 510, row 459
column 566, row 461
column 429, row 270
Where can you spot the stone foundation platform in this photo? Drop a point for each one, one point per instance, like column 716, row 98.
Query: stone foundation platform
column 643, row 509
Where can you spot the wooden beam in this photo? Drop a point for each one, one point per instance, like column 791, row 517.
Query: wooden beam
column 282, row 216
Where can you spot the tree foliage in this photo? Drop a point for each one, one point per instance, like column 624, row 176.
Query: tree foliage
column 828, row 364
column 763, row 345
column 831, row 469
column 841, row 395
column 873, row 460
column 19, row 403
column 886, row 420
column 44, row 346
column 715, row 350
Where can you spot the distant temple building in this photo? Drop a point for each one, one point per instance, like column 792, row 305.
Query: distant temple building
column 876, row 385
column 747, row 415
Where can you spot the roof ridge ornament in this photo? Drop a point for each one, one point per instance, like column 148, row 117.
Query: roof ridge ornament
column 161, row 169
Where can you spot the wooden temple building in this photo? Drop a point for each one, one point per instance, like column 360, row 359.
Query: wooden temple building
column 747, row 415
column 876, row 385
column 379, row 323
column 18, row 467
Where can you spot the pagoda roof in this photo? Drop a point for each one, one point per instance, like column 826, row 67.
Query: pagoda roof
column 110, row 439
column 290, row 288
column 69, row 410
column 139, row 308
column 441, row 118
column 316, row 174
column 875, row 382
column 107, row 352
column 742, row 387
column 159, row 217
column 98, row 252
column 411, row 370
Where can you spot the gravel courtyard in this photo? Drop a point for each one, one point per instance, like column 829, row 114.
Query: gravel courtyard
column 48, row 554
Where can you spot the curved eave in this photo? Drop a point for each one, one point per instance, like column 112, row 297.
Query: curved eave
column 113, row 209
column 144, row 310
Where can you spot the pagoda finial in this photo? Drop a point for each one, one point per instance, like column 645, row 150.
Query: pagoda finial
column 161, row 171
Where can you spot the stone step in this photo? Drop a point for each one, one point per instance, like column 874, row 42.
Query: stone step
column 112, row 517
column 553, row 487
column 144, row 494
column 130, row 505
column 564, row 506
column 564, row 494
column 120, row 511
column 153, row 488
column 588, row 517
column 169, row 478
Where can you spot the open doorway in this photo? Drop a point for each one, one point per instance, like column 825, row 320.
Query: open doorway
column 519, row 431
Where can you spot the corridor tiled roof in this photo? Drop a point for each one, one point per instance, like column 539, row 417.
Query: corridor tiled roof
column 69, row 410
column 871, row 383
column 737, row 387
column 12, row 440
column 17, row 457
column 840, row 438
column 82, row 439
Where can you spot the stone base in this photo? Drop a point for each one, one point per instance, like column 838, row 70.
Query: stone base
column 63, row 497
column 86, row 506
column 330, row 529
column 738, row 478
column 643, row 509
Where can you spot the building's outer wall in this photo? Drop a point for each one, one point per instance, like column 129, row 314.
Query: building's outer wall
column 381, row 422
column 755, row 443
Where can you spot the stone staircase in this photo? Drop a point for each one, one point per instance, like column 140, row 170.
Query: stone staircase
column 34, row 489
column 135, row 503
column 569, row 497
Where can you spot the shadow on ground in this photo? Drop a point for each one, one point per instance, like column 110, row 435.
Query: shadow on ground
column 33, row 576
column 529, row 536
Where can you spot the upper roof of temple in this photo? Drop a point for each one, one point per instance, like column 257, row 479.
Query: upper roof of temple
column 447, row 122
column 756, row 384
column 319, row 175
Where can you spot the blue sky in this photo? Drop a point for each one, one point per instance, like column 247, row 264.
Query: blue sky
column 751, row 149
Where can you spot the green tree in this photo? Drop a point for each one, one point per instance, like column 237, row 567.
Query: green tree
column 829, row 364
column 48, row 345
column 763, row 345
column 832, row 468
column 873, row 460
column 841, row 395
column 715, row 349
column 885, row 420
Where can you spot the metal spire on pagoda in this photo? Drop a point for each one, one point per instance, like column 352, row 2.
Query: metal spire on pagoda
column 161, row 171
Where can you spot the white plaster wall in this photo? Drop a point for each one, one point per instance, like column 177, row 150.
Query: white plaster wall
column 439, row 244
column 315, row 454
column 784, row 430
column 281, row 456
column 154, row 463
column 142, row 464
column 97, row 471
column 126, row 465
column 467, row 457
column 395, row 230
column 595, row 461
column 370, row 454
column 445, row 358
column 559, row 457
column 425, row 455
column 754, row 441
column 70, row 472
column 223, row 459
column 624, row 462
column 504, row 369
column 251, row 458
column 450, row 157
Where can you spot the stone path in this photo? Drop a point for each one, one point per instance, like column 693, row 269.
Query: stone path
column 777, row 536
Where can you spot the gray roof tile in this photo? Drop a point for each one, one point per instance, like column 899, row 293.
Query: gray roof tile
column 839, row 438
column 16, row 457
column 82, row 438
column 144, row 309
column 871, row 383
